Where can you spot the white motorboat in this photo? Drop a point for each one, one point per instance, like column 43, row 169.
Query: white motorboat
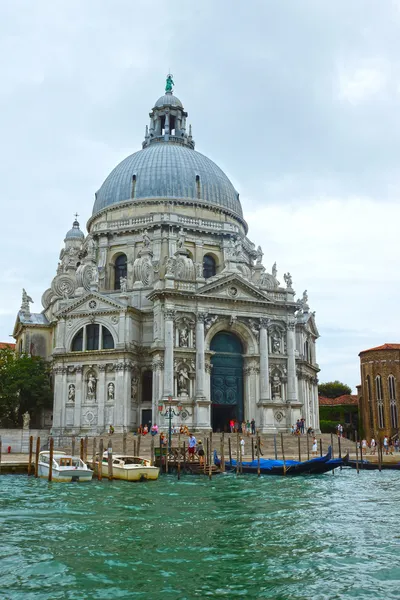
column 130, row 468
column 65, row 467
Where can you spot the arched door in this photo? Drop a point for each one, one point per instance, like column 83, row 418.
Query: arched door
column 226, row 380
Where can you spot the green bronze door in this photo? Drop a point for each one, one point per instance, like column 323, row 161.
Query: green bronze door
column 226, row 380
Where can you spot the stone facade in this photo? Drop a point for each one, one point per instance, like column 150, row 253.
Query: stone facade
column 130, row 317
column 378, row 399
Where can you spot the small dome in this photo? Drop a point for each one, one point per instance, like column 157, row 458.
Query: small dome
column 75, row 233
column 168, row 100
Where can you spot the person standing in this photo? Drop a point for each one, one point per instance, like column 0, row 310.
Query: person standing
column 191, row 446
column 248, row 428
column 302, row 425
column 372, row 446
column 314, row 446
column 241, row 448
column 386, row 444
column 253, row 427
column 200, row 452
column 231, row 425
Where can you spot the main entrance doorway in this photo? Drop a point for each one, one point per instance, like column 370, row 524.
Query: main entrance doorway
column 226, row 380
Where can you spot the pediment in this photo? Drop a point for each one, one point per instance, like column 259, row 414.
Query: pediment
column 233, row 287
column 89, row 303
column 310, row 324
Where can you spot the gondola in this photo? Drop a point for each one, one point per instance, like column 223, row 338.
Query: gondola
column 369, row 466
column 287, row 467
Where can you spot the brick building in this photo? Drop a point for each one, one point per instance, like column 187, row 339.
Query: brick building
column 380, row 372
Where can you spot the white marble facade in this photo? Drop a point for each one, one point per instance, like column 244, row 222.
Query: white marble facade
column 131, row 314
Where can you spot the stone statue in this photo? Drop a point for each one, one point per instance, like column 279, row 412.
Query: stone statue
column 274, row 270
column 134, row 388
column 259, row 255
column 254, row 326
column 95, row 276
column 25, row 302
column 183, row 381
column 276, row 386
column 91, row 248
column 183, row 337
column 123, row 282
column 181, row 238
column 91, row 386
column 64, row 289
column 170, row 268
column 276, row 343
column 288, row 280
column 25, row 420
column 71, row 393
column 110, row 391
column 209, row 322
column 72, row 257
column 305, row 298
column 146, row 239
column 169, row 83
column 238, row 247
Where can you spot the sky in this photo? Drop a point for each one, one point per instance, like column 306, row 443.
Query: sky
column 298, row 102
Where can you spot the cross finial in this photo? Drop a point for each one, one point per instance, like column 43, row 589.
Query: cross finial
column 76, row 215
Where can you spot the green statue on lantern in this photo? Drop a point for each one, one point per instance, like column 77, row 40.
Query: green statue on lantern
column 169, row 83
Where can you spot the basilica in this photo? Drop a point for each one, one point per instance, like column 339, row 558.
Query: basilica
column 167, row 303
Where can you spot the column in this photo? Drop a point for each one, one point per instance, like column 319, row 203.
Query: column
column 291, row 375
column 58, row 400
column 64, row 396
column 200, row 358
column 166, row 125
column 78, row 397
column 101, row 398
column 169, row 316
column 264, row 371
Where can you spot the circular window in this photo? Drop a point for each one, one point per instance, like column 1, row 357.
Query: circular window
column 92, row 304
column 233, row 291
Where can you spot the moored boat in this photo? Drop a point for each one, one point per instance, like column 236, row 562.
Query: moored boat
column 322, row 464
column 373, row 466
column 130, row 468
column 65, row 467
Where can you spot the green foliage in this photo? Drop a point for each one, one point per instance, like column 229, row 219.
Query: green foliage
column 333, row 389
column 25, row 385
column 328, row 426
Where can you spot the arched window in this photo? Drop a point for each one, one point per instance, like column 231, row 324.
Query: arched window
column 209, row 267
column 393, row 405
column 370, row 407
column 379, row 399
column 120, row 270
column 92, row 337
column 198, row 189
column 133, row 191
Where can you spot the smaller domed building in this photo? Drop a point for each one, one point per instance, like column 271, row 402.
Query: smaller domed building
column 166, row 299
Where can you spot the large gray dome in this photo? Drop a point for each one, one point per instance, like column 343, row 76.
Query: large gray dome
column 168, row 100
column 168, row 170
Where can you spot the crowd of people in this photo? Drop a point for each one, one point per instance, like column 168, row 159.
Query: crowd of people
column 245, row 427
column 390, row 445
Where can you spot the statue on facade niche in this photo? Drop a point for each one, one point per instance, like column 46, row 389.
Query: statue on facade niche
column 146, row 239
column 71, row 393
column 95, row 276
column 26, row 417
column 91, row 386
column 110, row 391
column 123, row 282
column 181, row 238
column 276, row 386
column 276, row 343
column 305, row 298
column 274, row 270
column 183, row 381
column 209, row 322
column 91, row 248
column 259, row 255
column 183, row 337
column 134, row 388
column 288, row 280
column 170, row 268
column 238, row 247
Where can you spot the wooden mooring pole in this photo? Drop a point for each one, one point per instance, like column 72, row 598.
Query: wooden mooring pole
column 109, row 460
column 81, row 449
column 138, row 444
column 161, row 450
column 94, row 454
column 357, row 466
column 361, row 456
column 0, row 454
column 37, row 457
column 134, row 448
column 298, row 443
column 73, row 445
column 152, row 450
column 275, row 448
column 206, row 456
column 230, row 452
column 210, row 458
column 252, row 448
column 308, row 447
column 237, row 453
column 50, row 477
column 179, row 456
column 184, row 457
column 124, row 442
column 283, row 455
column 258, row 456
column 100, row 461
column 333, row 454
column 320, row 446
column 30, row 453
column 222, row 452
column 379, row 456
column 85, row 449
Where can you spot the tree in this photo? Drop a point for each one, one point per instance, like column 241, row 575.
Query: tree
column 25, row 386
column 333, row 389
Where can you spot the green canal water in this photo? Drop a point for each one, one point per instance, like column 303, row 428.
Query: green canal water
column 304, row 538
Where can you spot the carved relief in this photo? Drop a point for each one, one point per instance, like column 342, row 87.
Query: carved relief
column 110, row 391
column 71, row 393
column 91, row 386
column 63, row 286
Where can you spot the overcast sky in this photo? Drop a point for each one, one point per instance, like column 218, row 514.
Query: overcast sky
column 298, row 102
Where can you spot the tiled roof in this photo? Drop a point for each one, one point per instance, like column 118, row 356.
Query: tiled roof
column 345, row 399
column 383, row 347
column 7, row 345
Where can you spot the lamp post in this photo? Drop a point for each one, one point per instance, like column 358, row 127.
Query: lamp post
column 170, row 412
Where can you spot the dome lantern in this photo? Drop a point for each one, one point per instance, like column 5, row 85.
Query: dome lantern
column 75, row 233
column 168, row 120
